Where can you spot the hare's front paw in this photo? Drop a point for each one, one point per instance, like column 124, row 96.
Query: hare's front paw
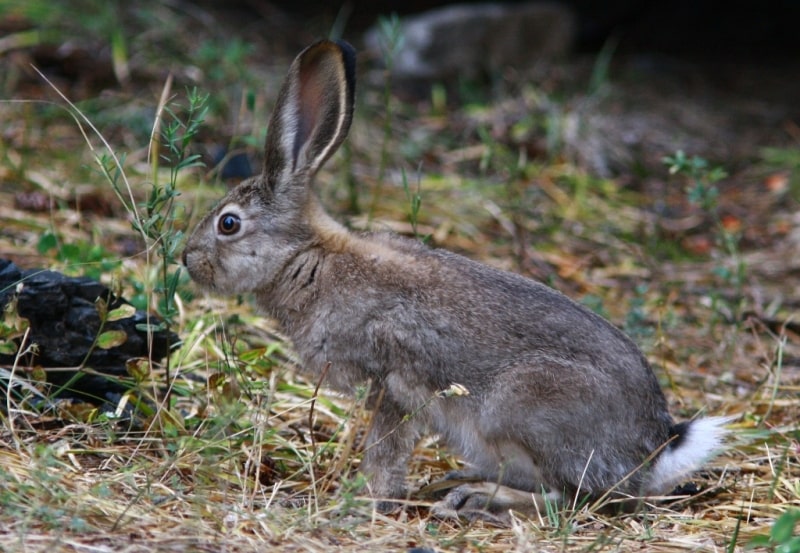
column 489, row 502
column 387, row 495
column 389, row 446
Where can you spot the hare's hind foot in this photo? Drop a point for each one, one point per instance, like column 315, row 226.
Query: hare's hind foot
column 492, row 503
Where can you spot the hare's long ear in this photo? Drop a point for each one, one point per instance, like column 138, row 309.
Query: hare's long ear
column 312, row 114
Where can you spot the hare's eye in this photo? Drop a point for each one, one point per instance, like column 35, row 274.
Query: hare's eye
column 229, row 224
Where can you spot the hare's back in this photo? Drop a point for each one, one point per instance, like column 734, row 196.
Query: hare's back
column 500, row 316
column 520, row 308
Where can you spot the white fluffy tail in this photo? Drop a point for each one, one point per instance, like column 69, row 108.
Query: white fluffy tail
column 699, row 441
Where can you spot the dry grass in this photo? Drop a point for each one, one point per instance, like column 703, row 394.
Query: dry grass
column 250, row 457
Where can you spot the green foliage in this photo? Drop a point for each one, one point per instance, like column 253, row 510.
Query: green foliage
column 351, row 497
column 161, row 208
column 111, row 339
column 90, row 259
column 600, row 69
column 41, row 497
column 783, row 537
column 636, row 324
column 415, row 202
column 391, row 38
column 499, row 157
column 702, row 192
column 12, row 327
column 223, row 62
column 59, row 20
column 156, row 219
column 595, row 303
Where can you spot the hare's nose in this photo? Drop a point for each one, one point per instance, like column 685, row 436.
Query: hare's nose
column 183, row 258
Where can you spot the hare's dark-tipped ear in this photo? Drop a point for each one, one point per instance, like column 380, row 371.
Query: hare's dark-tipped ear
column 313, row 112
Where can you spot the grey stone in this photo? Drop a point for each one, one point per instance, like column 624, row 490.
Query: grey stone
column 467, row 40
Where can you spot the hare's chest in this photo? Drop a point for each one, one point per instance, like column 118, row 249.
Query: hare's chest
column 334, row 350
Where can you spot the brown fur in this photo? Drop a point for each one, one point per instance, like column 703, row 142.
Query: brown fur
column 559, row 400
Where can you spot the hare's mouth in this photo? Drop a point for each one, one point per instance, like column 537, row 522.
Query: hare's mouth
column 200, row 270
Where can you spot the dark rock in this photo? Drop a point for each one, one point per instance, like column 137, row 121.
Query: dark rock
column 468, row 41
column 64, row 322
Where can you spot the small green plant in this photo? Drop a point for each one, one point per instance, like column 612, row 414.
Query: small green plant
column 224, row 64
column 415, row 202
column 90, row 258
column 224, row 61
column 39, row 491
column 350, row 500
column 636, row 323
column 104, row 338
column 783, row 537
column 156, row 218
column 595, row 303
column 600, row 70
column 12, row 327
column 161, row 208
column 702, row 192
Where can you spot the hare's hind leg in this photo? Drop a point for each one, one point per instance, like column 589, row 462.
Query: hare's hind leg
column 492, row 503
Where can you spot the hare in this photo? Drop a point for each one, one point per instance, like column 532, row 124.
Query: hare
column 555, row 401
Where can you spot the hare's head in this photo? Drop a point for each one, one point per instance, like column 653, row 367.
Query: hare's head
column 263, row 223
